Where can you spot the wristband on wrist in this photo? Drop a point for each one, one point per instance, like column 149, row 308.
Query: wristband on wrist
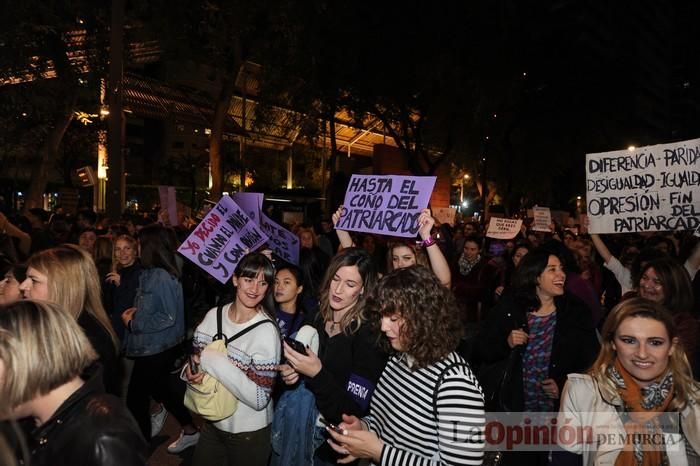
column 427, row 242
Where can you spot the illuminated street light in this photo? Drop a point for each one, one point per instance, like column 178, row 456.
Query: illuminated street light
column 631, row 148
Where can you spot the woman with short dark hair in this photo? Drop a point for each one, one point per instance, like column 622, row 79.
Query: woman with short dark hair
column 544, row 332
column 247, row 369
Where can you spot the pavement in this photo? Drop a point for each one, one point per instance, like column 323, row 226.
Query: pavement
column 159, row 444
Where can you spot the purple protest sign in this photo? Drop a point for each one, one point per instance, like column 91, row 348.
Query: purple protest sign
column 282, row 242
column 385, row 204
column 251, row 203
column 221, row 239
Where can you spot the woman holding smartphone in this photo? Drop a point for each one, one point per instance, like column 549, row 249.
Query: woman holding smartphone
column 425, row 386
column 247, row 370
column 343, row 375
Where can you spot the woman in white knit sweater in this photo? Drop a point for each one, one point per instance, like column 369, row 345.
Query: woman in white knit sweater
column 247, row 370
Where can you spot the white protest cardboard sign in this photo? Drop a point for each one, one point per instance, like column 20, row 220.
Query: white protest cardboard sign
column 503, row 228
column 385, row 204
column 445, row 215
column 652, row 188
column 168, row 202
column 542, row 218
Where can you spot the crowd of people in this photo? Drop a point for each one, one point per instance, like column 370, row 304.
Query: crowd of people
column 371, row 348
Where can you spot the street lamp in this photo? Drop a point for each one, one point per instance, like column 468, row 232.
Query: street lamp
column 461, row 189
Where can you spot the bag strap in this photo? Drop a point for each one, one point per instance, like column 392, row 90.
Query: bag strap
column 247, row 329
column 219, row 334
column 440, row 379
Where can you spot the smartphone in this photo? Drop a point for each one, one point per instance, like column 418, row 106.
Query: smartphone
column 333, row 427
column 194, row 367
column 296, row 345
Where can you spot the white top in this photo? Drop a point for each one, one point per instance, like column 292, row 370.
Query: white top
column 622, row 274
column 247, row 371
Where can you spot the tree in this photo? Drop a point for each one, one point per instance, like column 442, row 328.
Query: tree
column 54, row 51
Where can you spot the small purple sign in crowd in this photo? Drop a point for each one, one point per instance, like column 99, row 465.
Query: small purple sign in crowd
column 221, row 239
column 385, row 204
column 251, row 203
column 282, row 242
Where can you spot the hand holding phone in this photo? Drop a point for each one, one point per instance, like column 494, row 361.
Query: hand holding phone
column 333, row 427
column 296, row 345
column 194, row 366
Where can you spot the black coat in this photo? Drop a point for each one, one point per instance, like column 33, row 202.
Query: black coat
column 574, row 348
column 90, row 428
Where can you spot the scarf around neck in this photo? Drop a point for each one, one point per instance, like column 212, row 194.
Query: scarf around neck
column 642, row 406
column 465, row 266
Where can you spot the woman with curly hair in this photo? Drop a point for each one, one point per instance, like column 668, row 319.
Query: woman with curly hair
column 640, row 380
column 425, row 386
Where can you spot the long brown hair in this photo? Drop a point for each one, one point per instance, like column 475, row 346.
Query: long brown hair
column 685, row 387
column 418, row 252
column 349, row 257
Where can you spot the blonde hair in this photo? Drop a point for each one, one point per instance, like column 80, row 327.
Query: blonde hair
column 41, row 347
column 73, row 281
column 684, row 386
column 310, row 230
column 129, row 239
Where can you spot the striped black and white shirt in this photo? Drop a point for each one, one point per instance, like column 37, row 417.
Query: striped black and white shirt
column 403, row 416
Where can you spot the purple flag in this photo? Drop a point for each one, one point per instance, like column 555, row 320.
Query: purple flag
column 221, row 239
column 385, row 204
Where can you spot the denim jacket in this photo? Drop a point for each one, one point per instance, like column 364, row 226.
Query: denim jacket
column 159, row 322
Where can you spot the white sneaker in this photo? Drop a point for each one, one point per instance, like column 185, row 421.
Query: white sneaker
column 158, row 421
column 183, row 442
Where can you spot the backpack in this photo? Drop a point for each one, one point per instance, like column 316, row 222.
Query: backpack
column 211, row 399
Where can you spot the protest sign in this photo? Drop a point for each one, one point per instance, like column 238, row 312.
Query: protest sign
column 542, row 218
column 168, row 203
column 652, row 188
column 445, row 215
column 221, row 239
column 385, row 204
column 503, row 228
column 281, row 241
column 251, row 203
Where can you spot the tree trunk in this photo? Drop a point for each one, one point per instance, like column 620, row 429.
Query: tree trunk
column 47, row 154
column 217, row 135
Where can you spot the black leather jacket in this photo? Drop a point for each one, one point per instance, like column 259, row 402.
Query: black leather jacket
column 91, row 428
